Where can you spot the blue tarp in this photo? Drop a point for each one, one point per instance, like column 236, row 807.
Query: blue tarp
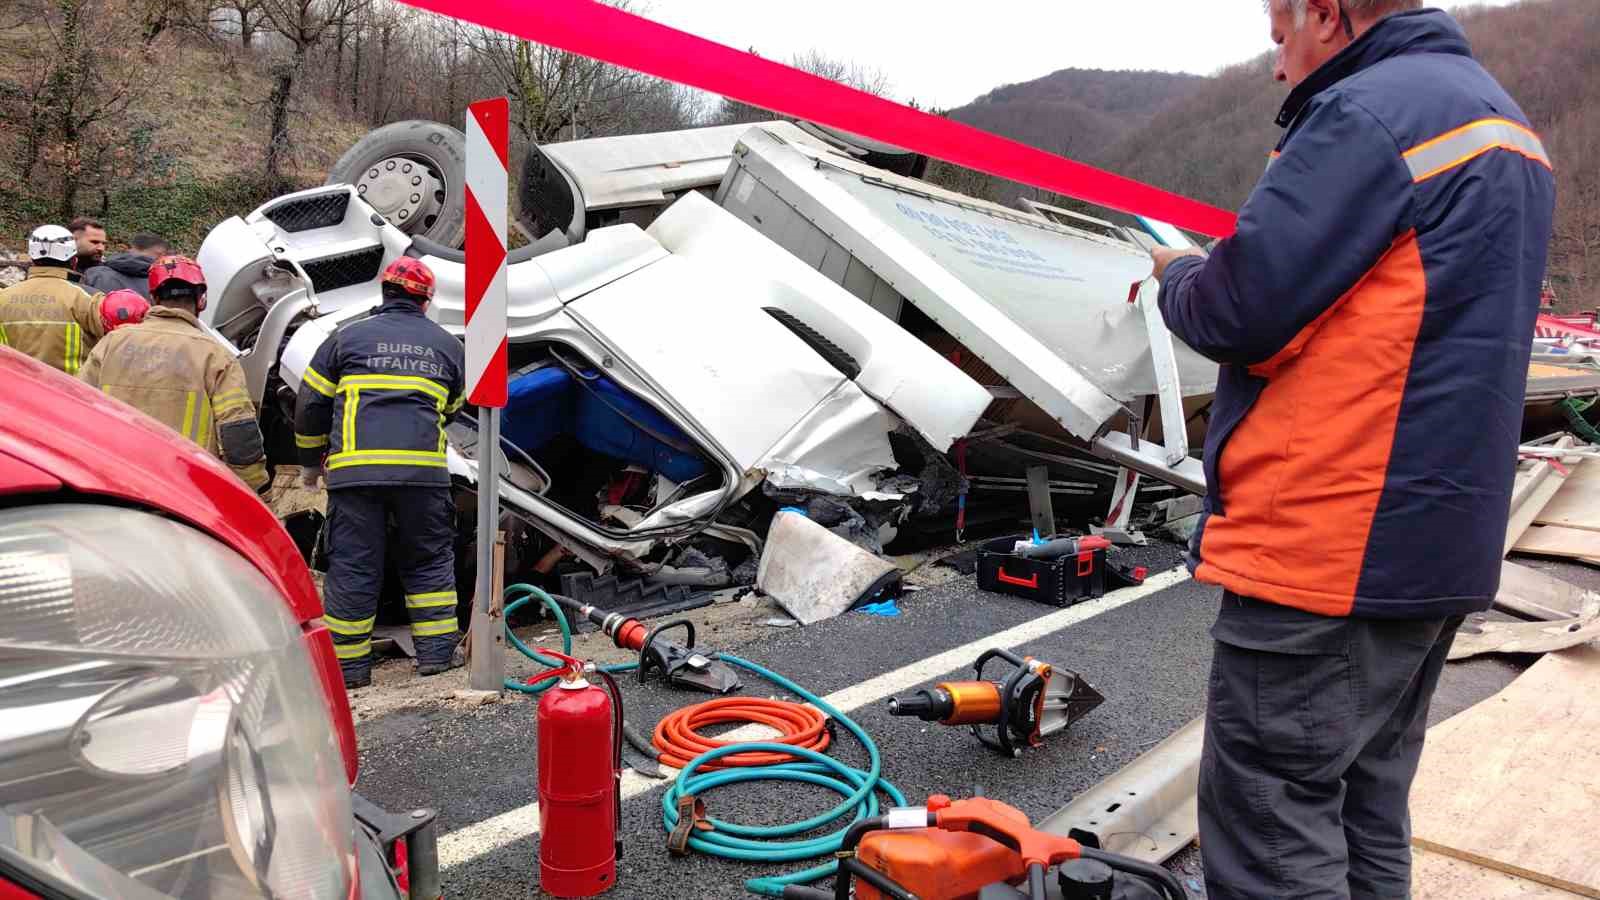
column 547, row 402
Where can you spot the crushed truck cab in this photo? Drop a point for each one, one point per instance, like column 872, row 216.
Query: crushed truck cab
column 709, row 376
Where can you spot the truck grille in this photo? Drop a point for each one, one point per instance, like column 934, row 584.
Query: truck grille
column 307, row 213
column 333, row 272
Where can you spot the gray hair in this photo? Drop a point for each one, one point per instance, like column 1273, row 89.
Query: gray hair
column 1353, row 7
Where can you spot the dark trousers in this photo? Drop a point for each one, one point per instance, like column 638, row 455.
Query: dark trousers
column 423, row 550
column 1314, row 726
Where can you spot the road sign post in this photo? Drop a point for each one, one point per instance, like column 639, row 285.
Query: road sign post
column 488, row 123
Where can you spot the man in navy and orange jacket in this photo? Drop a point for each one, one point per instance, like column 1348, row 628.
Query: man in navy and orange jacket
column 1373, row 315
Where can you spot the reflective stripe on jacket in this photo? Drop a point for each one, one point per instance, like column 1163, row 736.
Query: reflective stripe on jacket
column 1374, row 316
column 50, row 318
column 374, row 401
column 172, row 370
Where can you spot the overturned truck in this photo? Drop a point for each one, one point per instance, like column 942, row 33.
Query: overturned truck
column 708, row 325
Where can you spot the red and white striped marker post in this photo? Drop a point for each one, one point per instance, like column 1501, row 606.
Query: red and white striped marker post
column 488, row 161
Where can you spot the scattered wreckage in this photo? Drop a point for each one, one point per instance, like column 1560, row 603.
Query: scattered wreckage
column 710, row 325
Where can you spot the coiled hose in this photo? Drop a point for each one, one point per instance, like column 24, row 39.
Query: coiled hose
column 779, row 843
column 729, row 840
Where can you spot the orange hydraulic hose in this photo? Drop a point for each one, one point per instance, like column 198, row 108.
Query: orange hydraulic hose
column 678, row 740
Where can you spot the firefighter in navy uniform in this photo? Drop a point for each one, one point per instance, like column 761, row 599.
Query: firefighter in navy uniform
column 370, row 419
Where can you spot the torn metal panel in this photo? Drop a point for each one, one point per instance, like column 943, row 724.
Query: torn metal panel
column 902, row 372
column 840, row 448
column 1149, row 458
column 1149, row 809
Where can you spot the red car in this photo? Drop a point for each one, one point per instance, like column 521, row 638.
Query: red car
column 172, row 718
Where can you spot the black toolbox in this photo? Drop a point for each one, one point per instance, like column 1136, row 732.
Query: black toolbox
column 1062, row 581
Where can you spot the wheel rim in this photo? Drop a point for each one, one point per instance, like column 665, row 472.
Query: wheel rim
column 407, row 190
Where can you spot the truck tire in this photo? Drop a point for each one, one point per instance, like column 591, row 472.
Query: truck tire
column 414, row 174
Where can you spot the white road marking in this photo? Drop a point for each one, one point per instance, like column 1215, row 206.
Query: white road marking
column 481, row 838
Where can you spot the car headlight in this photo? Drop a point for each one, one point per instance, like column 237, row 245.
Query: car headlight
column 162, row 731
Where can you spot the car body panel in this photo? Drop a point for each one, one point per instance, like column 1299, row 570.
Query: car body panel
column 1044, row 305
column 96, row 446
column 897, row 369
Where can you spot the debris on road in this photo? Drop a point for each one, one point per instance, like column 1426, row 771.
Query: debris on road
column 475, row 698
column 814, row 574
column 1481, row 635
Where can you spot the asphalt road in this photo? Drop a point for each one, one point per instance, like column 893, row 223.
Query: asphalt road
column 1148, row 658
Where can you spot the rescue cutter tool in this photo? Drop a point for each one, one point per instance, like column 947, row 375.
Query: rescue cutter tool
column 1032, row 702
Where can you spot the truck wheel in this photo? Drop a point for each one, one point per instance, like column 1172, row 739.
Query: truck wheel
column 413, row 174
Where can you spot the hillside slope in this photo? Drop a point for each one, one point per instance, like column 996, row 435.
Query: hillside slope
column 1076, row 112
column 206, row 113
column 1212, row 143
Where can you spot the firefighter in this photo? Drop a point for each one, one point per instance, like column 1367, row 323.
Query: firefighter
column 171, row 369
column 390, row 382
column 45, row 315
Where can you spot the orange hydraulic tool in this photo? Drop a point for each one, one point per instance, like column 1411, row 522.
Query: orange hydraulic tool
column 970, row 849
column 1034, row 701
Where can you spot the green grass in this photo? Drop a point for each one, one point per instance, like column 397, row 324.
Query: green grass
column 182, row 211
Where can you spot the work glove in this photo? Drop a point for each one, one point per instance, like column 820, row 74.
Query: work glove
column 310, row 477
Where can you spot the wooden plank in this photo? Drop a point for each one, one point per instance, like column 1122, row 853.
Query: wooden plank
column 1510, row 783
column 1555, row 540
column 1577, row 504
column 1537, row 595
column 1435, row 876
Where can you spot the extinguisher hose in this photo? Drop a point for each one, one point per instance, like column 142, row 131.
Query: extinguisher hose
column 616, row 757
column 783, row 843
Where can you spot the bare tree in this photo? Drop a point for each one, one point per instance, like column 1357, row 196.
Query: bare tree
column 866, row 78
column 1574, row 145
column 303, row 24
column 247, row 16
column 73, row 101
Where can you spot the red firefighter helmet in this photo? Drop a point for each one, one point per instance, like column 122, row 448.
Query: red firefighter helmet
column 178, row 278
column 122, row 307
column 412, row 276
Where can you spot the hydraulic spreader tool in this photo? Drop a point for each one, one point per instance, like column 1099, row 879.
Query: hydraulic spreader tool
column 1032, row 702
column 680, row 665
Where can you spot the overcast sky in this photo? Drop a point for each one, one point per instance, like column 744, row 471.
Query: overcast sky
column 944, row 53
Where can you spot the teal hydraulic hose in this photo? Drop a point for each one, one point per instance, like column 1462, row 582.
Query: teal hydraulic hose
column 516, row 596
column 729, row 840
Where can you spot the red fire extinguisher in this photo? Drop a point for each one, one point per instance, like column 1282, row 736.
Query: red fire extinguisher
column 580, row 767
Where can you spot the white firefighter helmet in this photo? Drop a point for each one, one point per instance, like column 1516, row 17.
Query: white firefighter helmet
column 52, row 242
